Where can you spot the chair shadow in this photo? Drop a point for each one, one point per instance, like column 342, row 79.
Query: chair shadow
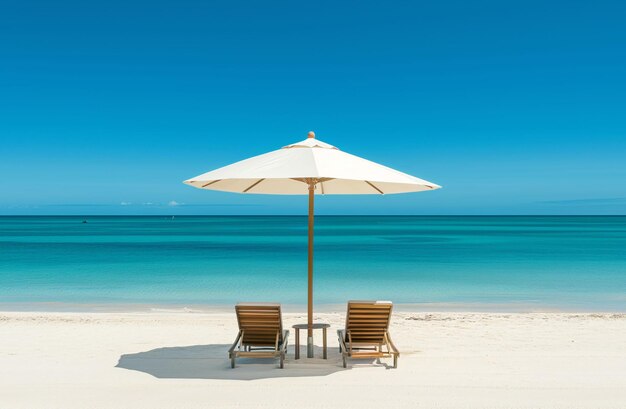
column 211, row 362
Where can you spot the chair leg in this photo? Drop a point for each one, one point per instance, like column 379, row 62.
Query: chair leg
column 395, row 361
column 282, row 361
column 232, row 360
column 345, row 363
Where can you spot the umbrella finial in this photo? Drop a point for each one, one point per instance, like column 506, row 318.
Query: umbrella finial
column 311, row 134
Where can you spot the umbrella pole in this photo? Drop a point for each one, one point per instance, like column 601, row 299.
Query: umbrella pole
column 309, row 345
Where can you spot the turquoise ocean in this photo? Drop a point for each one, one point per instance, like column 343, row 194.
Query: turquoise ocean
column 464, row 263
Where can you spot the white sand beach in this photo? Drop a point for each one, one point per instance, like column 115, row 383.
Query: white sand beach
column 178, row 360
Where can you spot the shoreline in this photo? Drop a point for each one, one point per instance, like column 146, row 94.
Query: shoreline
column 434, row 307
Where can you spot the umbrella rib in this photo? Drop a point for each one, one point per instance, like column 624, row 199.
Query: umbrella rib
column 377, row 189
column 210, row 183
column 253, row 185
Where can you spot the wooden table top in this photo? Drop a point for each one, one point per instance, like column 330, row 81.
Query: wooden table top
column 314, row 326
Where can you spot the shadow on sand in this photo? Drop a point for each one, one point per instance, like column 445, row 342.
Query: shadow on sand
column 210, row 362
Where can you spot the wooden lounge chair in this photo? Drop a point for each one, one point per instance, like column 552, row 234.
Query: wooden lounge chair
column 260, row 334
column 366, row 334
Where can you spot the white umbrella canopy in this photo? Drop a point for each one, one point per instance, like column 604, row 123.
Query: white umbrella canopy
column 308, row 168
column 289, row 170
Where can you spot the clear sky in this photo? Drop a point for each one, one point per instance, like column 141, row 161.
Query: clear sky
column 515, row 107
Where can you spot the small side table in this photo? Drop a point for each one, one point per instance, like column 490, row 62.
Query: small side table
column 298, row 327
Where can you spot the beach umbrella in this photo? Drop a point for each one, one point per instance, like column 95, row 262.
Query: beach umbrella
column 310, row 167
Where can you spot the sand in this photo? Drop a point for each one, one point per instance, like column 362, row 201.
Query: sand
column 178, row 360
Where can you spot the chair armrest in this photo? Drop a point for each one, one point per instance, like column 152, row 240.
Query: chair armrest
column 391, row 344
column 342, row 339
column 283, row 347
column 232, row 348
column 349, row 341
column 341, row 333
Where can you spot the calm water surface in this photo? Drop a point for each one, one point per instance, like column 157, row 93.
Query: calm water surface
column 541, row 262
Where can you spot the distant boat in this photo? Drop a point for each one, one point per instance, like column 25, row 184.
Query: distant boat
column 173, row 217
column 84, row 221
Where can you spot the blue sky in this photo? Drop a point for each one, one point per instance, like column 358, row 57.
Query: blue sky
column 514, row 107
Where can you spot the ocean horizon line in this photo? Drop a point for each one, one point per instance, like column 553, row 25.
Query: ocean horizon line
column 316, row 216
